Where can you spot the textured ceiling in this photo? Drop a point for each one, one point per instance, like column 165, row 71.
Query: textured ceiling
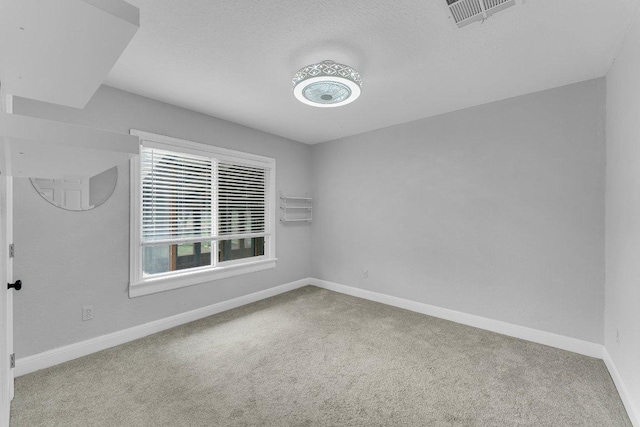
column 235, row 59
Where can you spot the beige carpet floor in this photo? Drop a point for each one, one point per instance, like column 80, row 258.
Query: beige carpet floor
column 312, row 357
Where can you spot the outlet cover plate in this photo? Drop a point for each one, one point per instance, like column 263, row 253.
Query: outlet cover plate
column 87, row 312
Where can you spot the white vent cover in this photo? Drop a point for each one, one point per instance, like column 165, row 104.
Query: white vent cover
column 465, row 12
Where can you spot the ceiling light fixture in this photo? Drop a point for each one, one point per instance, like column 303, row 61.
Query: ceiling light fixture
column 327, row 84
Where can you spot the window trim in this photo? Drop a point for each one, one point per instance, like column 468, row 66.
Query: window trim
column 139, row 285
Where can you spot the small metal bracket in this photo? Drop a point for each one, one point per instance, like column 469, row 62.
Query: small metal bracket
column 12, row 250
column 12, row 360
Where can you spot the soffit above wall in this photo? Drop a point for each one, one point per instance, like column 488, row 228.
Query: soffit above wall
column 60, row 51
column 32, row 147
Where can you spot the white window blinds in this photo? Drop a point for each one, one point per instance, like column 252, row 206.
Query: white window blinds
column 179, row 191
column 241, row 200
column 176, row 196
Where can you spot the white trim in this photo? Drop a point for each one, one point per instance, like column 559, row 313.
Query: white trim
column 204, row 239
column 633, row 408
column 9, row 104
column 135, row 223
column 59, row 355
column 541, row 337
column 139, row 285
column 6, row 324
column 174, row 281
column 169, row 142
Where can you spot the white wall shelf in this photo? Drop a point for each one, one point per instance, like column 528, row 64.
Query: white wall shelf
column 295, row 209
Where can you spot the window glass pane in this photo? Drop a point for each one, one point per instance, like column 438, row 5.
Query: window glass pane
column 165, row 258
column 185, row 249
column 240, row 248
column 155, row 259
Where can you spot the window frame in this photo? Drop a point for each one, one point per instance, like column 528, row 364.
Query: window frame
column 140, row 285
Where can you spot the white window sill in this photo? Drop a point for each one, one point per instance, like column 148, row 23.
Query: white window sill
column 154, row 285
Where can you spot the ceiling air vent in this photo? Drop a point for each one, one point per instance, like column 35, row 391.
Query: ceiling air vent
column 465, row 12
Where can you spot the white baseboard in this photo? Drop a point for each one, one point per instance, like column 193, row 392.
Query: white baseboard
column 59, row 355
column 633, row 408
column 547, row 338
column 53, row 357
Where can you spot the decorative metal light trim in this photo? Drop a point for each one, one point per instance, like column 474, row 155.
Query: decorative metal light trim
column 327, row 84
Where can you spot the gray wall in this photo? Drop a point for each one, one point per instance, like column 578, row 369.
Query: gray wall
column 67, row 260
column 622, row 299
column 497, row 210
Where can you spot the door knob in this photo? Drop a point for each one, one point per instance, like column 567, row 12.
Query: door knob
column 17, row 285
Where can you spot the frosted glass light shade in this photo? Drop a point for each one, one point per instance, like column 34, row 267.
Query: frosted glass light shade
column 327, row 84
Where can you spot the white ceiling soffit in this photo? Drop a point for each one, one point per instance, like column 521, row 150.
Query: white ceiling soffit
column 60, row 51
column 235, row 59
column 31, row 147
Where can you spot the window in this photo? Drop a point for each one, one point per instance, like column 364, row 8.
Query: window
column 198, row 213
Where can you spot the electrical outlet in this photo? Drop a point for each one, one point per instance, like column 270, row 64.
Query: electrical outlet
column 87, row 312
column 365, row 274
column 618, row 337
